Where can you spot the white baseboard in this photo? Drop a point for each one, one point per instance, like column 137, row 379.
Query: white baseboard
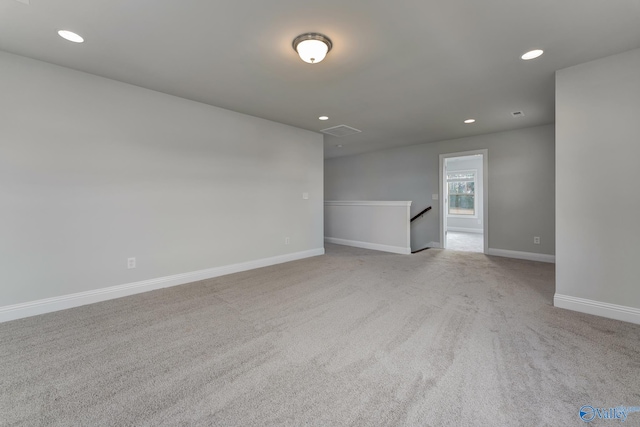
column 367, row 245
column 531, row 256
column 597, row 308
column 48, row 305
column 430, row 245
column 466, row 230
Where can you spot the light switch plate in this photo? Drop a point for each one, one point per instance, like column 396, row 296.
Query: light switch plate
column 434, row 196
column 305, row 196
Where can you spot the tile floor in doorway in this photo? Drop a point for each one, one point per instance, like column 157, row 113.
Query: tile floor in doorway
column 467, row 242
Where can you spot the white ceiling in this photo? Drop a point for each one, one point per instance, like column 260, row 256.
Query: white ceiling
column 403, row 71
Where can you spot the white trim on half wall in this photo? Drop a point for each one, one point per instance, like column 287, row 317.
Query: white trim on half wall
column 367, row 245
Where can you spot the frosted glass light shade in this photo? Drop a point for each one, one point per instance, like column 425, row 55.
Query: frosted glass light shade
column 312, row 47
column 312, row 51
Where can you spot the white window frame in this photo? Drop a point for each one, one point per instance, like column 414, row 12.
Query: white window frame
column 475, row 194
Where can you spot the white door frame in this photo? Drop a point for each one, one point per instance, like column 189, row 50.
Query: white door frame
column 485, row 194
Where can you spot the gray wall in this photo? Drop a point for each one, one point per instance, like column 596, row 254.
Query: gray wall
column 598, row 147
column 475, row 223
column 94, row 171
column 520, row 177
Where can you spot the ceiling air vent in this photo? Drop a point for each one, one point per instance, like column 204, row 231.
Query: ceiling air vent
column 340, row 131
column 517, row 114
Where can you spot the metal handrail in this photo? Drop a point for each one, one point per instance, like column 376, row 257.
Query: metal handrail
column 420, row 214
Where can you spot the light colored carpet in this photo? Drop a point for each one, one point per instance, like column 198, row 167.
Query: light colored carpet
column 355, row 337
column 467, row 242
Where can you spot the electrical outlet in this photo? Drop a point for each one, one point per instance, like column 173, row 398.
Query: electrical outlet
column 131, row 263
column 536, row 240
column 287, row 240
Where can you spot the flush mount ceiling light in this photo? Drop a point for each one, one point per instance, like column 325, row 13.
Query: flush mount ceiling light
column 469, row 121
column 323, row 118
column 532, row 54
column 71, row 36
column 312, row 47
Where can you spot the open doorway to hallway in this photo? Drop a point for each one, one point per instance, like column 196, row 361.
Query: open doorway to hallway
column 463, row 201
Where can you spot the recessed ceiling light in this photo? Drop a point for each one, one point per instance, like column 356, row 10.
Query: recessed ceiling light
column 339, row 145
column 71, row 36
column 323, row 118
column 468, row 121
column 532, row 54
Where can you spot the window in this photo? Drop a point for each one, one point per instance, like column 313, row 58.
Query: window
column 462, row 193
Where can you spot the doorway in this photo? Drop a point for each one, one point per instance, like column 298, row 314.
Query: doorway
column 463, row 201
